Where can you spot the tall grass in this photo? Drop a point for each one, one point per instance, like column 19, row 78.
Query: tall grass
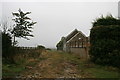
column 22, row 58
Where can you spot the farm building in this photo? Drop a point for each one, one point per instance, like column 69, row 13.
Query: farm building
column 75, row 42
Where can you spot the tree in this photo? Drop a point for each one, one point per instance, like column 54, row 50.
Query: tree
column 23, row 25
column 7, row 49
column 108, row 20
column 6, row 39
column 40, row 47
column 6, row 44
column 105, row 41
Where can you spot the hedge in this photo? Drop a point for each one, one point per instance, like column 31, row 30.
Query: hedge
column 105, row 45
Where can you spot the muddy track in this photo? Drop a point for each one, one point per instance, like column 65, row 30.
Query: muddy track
column 54, row 65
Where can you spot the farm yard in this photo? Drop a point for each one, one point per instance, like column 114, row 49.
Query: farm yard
column 57, row 64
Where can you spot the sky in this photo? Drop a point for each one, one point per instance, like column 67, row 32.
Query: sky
column 58, row 19
column 119, row 9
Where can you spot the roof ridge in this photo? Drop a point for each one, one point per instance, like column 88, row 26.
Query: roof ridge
column 71, row 32
column 82, row 33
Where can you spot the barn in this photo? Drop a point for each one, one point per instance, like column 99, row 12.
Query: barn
column 75, row 42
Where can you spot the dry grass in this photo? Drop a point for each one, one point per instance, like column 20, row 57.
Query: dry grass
column 55, row 64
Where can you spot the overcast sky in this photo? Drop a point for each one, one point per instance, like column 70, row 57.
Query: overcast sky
column 57, row 19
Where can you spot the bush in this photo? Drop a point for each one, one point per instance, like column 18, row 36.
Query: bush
column 105, row 45
column 108, row 20
column 48, row 49
column 6, row 45
column 40, row 47
column 8, row 51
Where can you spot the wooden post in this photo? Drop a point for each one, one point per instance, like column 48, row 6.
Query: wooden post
column 14, row 41
column 82, row 42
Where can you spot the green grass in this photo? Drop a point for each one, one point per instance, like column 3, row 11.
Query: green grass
column 87, row 67
column 96, row 71
column 99, row 71
column 102, row 73
column 11, row 70
column 42, row 58
column 31, row 63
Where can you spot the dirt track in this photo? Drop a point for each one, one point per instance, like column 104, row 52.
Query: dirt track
column 53, row 65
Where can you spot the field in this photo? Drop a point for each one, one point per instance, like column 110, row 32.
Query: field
column 58, row 64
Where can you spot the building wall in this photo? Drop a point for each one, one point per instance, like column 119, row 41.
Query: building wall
column 78, row 45
column 77, row 42
column 64, row 44
column 82, row 52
